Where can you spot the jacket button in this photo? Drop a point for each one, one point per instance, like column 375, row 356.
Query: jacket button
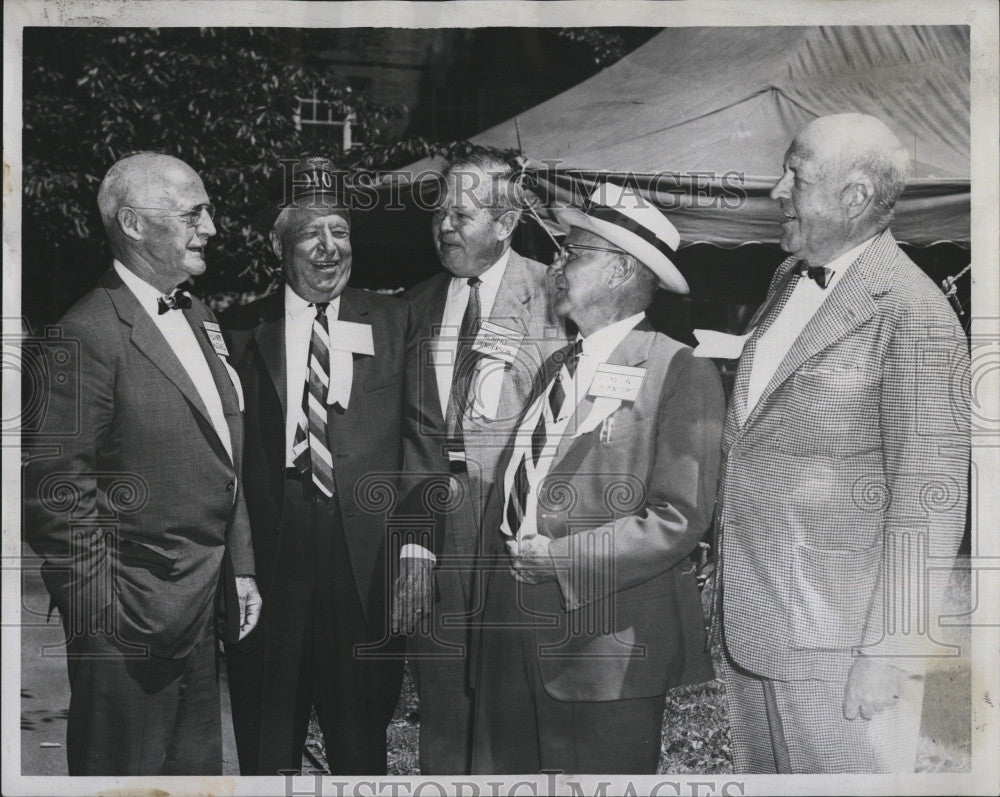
column 229, row 486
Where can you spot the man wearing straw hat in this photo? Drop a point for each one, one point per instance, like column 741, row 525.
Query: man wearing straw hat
column 592, row 611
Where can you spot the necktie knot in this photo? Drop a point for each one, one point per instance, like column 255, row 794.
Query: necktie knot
column 821, row 275
column 320, row 308
column 175, row 300
column 474, row 282
column 570, row 356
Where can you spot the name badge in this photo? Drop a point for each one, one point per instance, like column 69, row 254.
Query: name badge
column 352, row 337
column 617, row 381
column 498, row 342
column 218, row 342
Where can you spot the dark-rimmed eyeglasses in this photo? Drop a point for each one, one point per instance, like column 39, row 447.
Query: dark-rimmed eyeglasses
column 190, row 217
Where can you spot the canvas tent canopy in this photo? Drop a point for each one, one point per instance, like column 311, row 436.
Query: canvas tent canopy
column 699, row 119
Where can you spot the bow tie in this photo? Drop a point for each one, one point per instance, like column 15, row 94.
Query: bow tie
column 176, row 300
column 821, row 275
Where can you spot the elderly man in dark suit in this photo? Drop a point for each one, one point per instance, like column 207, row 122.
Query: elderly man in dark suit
column 485, row 326
column 322, row 366
column 846, row 454
column 591, row 607
column 157, row 524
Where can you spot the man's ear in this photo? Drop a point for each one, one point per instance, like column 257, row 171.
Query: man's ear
column 128, row 223
column 857, row 195
column 275, row 243
column 622, row 270
column 506, row 223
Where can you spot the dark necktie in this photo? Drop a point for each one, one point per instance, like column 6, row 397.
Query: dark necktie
column 517, row 501
column 466, row 359
column 313, row 454
column 175, row 300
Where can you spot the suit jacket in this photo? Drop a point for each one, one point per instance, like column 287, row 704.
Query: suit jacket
column 147, row 465
column 624, row 511
column 364, row 440
column 522, row 304
column 857, row 450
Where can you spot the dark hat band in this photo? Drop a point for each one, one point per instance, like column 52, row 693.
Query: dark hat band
column 612, row 216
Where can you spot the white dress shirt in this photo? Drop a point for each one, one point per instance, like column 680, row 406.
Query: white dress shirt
column 597, row 348
column 451, row 321
column 299, row 317
column 776, row 341
column 181, row 339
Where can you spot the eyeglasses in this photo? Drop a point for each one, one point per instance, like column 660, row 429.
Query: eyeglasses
column 567, row 249
column 191, row 217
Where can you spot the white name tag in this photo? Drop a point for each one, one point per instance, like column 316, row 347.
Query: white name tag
column 352, row 337
column 218, row 342
column 498, row 342
column 720, row 345
column 617, row 382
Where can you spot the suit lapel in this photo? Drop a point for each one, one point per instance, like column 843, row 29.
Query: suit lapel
column 434, row 316
column 354, row 307
column 848, row 306
column 150, row 341
column 223, row 383
column 633, row 351
column 270, row 338
column 512, row 308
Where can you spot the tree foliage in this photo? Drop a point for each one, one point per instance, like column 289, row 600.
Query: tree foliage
column 221, row 99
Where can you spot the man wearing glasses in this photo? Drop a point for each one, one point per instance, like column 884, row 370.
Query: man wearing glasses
column 592, row 611
column 485, row 326
column 151, row 456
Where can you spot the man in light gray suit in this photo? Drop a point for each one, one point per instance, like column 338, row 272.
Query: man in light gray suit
column 484, row 329
column 849, row 412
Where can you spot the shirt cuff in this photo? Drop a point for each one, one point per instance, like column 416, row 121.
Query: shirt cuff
column 414, row 551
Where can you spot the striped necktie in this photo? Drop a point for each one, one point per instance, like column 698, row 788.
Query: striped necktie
column 312, row 455
column 466, row 359
column 517, row 501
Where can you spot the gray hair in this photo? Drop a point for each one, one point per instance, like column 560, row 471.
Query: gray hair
column 505, row 193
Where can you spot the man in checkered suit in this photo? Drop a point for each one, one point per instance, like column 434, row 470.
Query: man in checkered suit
column 844, row 482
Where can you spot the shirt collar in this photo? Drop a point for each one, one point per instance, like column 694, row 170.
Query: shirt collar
column 840, row 264
column 295, row 305
column 144, row 292
column 492, row 276
column 601, row 343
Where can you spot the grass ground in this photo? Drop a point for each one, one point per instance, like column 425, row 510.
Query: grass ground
column 695, row 735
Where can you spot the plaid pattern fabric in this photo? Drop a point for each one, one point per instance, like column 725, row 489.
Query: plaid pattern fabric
column 847, row 477
column 798, row 727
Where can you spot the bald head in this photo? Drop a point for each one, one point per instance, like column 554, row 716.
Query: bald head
column 157, row 217
column 842, row 176
column 140, row 180
column 855, row 144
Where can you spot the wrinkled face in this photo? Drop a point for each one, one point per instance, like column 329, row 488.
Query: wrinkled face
column 579, row 276
column 174, row 233
column 810, row 193
column 467, row 237
column 314, row 247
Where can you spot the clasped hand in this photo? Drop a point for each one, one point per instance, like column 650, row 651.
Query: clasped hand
column 530, row 560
